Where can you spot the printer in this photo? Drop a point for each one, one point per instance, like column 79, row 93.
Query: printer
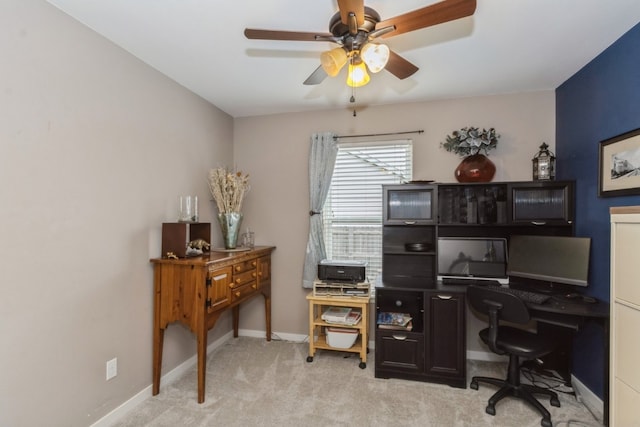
column 342, row 271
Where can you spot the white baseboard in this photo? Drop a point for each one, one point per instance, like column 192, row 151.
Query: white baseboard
column 588, row 398
column 118, row 413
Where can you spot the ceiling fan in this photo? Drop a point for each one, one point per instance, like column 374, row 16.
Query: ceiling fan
column 355, row 27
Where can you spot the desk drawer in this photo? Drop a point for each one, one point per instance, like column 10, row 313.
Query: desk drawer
column 400, row 351
column 242, row 291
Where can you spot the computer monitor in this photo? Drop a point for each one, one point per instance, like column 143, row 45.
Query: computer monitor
column 472, row 258
column 550, row 259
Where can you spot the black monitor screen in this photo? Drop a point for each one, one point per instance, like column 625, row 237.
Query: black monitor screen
column 554, row 259
column 474, row 258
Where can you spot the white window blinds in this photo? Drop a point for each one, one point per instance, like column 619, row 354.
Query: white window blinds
column 352, row 213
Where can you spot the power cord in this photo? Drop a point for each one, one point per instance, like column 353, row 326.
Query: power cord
column 550, row 380
column 546, row 379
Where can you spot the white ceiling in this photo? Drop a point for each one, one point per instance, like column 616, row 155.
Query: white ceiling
column 506, row 46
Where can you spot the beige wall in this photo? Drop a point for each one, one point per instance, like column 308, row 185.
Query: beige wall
column 274, row 150
column 95, row 148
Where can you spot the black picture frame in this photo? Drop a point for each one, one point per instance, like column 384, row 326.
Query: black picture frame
column 619, row 165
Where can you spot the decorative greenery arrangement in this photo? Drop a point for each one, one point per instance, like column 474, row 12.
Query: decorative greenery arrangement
column 471, row 140
column 228, row 189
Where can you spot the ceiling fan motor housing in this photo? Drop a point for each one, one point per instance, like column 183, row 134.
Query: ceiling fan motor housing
column 354, row 41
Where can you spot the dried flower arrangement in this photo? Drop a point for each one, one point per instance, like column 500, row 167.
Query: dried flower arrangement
column 471, row 140
column 228, row 189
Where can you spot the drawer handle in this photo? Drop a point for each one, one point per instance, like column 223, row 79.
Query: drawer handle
column 238, row 268
column 238, row 293
column 238, row 281
column 410, row 222
column 538, row 222
column 254, row 286
column 444, row 296
column 253, row 274
column 399, row 337
column 253, row 263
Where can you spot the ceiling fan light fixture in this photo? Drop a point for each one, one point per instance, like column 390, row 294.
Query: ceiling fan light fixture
column 375, row 56
column 358, row 75
column 333, row 60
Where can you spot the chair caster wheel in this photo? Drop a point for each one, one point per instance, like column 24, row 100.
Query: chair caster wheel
column 362, row 365
column 491, row 410
column 309, row 359
column 555, row 402
column 473, row 385
column 546, row 423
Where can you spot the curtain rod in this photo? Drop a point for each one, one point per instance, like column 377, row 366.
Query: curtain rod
column 378, row 134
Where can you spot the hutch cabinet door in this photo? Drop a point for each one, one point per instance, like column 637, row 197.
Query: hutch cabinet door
column 542, row 202
column 409, row 204
column 445, row 336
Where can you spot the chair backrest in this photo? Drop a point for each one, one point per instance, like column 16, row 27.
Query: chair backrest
column 499, row 306
column 508, row 306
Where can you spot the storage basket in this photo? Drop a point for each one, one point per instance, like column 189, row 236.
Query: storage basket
column 341, row 337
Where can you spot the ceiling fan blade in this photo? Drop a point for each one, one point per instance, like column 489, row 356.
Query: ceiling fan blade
column 355, row 6
column 316, row 77
column 438, row 13
column 399, row 67
column 252, row 33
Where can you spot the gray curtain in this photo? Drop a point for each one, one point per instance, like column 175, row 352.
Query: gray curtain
column 322, row 159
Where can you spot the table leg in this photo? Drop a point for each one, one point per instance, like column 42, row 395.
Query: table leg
column 158, row 340
column 235, row 311
column 267, row 312
column 202, row 364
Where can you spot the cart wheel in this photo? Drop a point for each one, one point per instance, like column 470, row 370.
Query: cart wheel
column 362, row 365
column 309, row 359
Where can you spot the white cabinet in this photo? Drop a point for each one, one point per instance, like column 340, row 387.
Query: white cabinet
column 624, row 376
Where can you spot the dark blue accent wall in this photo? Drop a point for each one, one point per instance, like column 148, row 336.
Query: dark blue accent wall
column 600, row 101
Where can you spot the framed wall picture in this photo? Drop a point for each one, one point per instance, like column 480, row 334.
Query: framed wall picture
column 619, row 168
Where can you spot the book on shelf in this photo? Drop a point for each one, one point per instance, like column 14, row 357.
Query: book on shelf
column 336, row 314
column 407, row 327
column 353, row 318
column 386, row 318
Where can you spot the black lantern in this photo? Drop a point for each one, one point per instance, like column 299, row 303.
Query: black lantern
column 544, row 164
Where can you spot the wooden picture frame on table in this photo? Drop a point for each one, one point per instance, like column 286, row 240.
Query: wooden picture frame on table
column 619, row 165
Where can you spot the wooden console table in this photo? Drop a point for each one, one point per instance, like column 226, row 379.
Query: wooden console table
column 196, row 291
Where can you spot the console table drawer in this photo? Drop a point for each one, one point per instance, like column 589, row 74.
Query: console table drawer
column 244, row 278
column 245, row 266
column 243, row 291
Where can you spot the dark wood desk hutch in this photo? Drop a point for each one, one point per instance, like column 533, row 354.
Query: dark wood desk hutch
column 415, row 215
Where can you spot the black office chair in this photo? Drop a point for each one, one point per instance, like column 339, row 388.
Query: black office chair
column 517, row 343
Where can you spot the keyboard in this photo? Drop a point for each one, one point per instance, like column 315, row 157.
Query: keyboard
column 469, row 281
column 526, row 296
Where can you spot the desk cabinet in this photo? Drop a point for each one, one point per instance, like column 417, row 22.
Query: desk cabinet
column 435, row 348
column 196, row 291
column 624, row 386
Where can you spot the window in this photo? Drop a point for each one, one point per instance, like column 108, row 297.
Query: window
column 352, row 213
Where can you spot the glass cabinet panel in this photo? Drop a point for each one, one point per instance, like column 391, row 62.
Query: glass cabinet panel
column 542, row 203
column 409, row 204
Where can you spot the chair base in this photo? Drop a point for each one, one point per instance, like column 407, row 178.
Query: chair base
column 512, row 387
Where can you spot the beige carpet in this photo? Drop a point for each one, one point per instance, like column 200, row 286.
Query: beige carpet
column 251, row 382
